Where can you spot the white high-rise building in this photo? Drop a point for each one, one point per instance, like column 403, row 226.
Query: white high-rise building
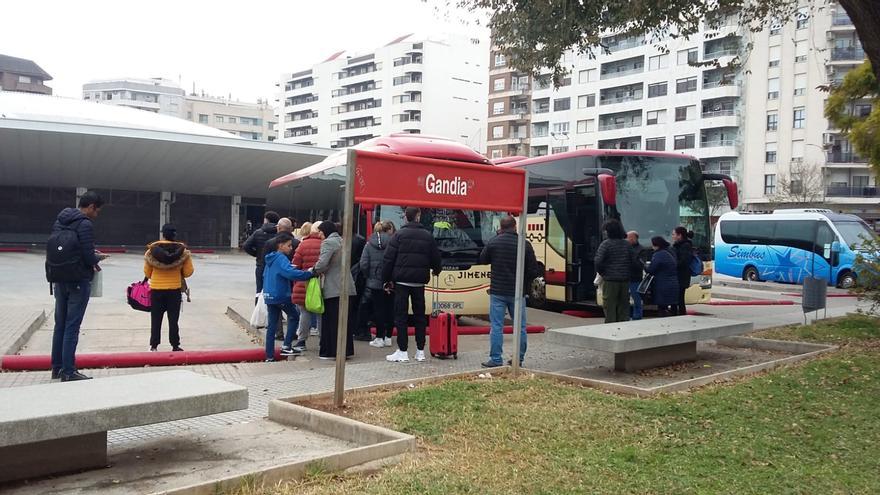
column 787, row 135
column 428, row 85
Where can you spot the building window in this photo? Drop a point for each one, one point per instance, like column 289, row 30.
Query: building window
column 203, row 119
column 803, row 18
column 686, row 85
column 658, row 62
column 586, row 101
column 684, row 142
column 655, row 117
column 498, row 108
column 232, row 120
column 500, row 60
column 800, row 84
column 770, row 153
column 189, row 115
column 561, row 104
column 560, row 128
column 558, row 149
column 497, row 132
column 773, row 88
column 496, row 153
column 800, row 51
column 686, row 57
column 775, row 55
column 799, row 117
column 584, row 126
column 655, row 144
column 685, row 113
column 772, row 121
column 657, row 89
column 586, row 76
column 498, row 85
column 775, row 27
column 769, row 184
column 24, row 79
column 218, row 119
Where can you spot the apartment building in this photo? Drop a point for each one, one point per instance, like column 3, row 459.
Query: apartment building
column 429, row 85
column 156, row 94
column 254, row 121
column 21, row 74
column 787, row 135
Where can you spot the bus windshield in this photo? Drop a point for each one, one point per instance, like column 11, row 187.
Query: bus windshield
column 656, row 194
column 854, row 234
column 460, row 234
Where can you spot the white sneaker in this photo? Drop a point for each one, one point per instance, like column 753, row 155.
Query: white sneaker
column 420, row 355
column 377, row 342
column 314, row 332
column 388, row 342
column 398, row 357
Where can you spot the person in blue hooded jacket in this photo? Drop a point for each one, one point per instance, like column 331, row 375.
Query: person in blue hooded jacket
column 277, row 277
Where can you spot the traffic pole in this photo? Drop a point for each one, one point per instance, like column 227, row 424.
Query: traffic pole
column 345, row 273
column 520, row 267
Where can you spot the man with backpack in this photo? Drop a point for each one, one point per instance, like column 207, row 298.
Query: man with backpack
column 500, row 253
column 71, row 262
column 254, row 244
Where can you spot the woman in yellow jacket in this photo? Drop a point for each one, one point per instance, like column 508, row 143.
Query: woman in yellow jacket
column 166, row 263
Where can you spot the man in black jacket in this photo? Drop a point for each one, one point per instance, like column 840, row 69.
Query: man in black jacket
column 72, row 294
column 500, row 252
column 255, row 243
column 410, row 258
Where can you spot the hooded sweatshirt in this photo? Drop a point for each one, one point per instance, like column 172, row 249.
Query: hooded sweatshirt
column 166, row 264
column 372, row 260
column 277, row 276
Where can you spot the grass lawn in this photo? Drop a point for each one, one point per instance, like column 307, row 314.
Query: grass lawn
column 809, row 428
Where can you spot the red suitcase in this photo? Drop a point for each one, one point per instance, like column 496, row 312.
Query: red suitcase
column 442, row 329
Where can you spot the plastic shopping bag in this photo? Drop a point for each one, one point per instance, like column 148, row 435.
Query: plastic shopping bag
column 260, row 314
column 314, row 297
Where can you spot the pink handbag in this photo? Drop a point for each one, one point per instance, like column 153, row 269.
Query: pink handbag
column 139, row 295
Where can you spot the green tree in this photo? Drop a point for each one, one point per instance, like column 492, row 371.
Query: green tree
column 863, row 132
column 534, row 34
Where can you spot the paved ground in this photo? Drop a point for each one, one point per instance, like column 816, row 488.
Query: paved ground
column 226, row 280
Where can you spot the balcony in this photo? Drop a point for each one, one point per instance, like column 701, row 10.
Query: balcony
column 841, row 20
column 612, row 74
column 723, row 52
column 856, row 54
column 719, row 113
column 292, row 102
column 542, row 109
column 414, row 59
column 621, row 99
column 844, row 157
column 620, row 125
column 716, row 143
column 853, row 191
column 345, row 74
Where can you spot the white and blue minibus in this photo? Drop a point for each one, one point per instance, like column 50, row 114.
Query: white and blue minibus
column 789, row 245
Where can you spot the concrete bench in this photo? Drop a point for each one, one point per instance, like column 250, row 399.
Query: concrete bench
column 645, row 344
column 62, row 427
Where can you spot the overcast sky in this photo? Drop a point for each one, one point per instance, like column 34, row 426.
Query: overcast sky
column 238, row 47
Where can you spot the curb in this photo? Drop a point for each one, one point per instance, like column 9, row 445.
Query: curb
column 22, row 339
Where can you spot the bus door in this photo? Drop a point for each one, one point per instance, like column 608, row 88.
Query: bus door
column 572, row 231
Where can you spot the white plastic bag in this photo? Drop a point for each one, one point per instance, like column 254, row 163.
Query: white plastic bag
column 260, row 314
column 598, row 280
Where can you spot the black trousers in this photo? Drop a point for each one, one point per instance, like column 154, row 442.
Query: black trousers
column 378, row 306
column 161, row 302
column 403, row 296
column 258, row 274
column 683, row 285
column 330, row 327
column 360, row 285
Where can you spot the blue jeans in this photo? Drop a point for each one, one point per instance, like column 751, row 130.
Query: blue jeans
column 498, row 305
column 635, row 312
column 71, row 299
column 274, row 311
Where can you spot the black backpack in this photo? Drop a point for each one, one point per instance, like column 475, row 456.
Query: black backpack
column 64, row 261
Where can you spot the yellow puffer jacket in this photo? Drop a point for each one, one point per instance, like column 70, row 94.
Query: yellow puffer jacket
column 166, row 264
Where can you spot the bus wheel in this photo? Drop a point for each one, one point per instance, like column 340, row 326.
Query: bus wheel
column 751, row 274
column 847, row 280
column 538, row 293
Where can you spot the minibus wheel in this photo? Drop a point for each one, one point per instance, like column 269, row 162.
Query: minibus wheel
column 847, row 280
column 751, row 274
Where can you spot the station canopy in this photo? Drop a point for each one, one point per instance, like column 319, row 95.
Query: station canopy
column 49, row 141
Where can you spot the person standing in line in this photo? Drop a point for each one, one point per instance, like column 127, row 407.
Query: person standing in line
column 254, row 245
column 71, row 262
column 665, row 285
column 376, row 304
column 167, row 263
column 500, row 253
column 277, row 277
column 285, row 225
column 614, row 260
column 330, row 265
column 638, row 272
column 305, row 257
column 683, row 249
column 411, row 256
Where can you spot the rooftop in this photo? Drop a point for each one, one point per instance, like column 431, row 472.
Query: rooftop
column 23, row 67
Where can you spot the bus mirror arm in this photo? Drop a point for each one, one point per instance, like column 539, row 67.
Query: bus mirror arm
column 729, row 185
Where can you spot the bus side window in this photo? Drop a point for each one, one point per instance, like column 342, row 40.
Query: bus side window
column 825, row 236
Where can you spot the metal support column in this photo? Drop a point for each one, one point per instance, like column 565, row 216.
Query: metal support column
column 520, row 275
column 347, row 233
column 165, row 200
column 234, row 230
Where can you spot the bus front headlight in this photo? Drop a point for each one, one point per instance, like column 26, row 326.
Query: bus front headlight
column 706, row 281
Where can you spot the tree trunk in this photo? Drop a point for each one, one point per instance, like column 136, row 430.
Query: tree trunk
column 865, row 16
